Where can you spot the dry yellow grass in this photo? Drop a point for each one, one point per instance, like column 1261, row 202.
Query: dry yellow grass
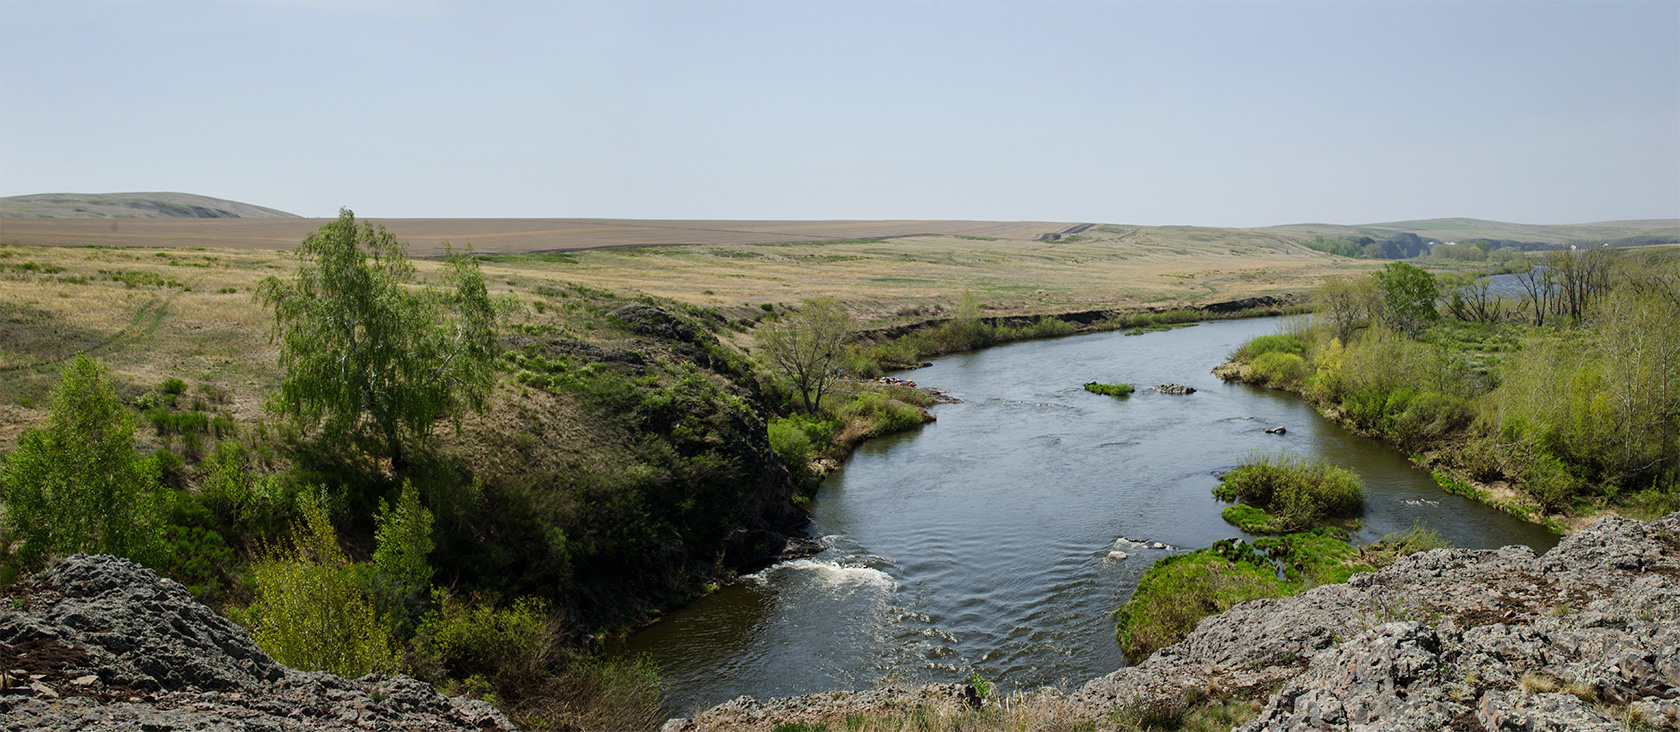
column 1106, row 267
column 491, row 236
column 152, row 313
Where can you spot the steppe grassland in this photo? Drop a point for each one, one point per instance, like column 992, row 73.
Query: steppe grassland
column 915, row 276
column 151, row 314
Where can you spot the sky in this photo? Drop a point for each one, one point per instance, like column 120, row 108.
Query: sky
column 1237, row 114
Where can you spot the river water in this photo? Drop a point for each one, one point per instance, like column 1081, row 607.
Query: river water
column 982, row 541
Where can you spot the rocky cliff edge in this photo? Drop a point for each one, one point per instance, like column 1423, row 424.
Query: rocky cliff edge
column 1584, row 637
column 99, row 642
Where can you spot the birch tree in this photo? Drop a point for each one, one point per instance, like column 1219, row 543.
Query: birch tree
column 367, row 354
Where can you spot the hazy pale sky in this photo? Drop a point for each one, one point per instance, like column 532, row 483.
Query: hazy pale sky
column 1208, row 113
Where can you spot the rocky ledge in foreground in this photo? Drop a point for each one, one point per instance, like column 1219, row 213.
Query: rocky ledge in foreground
column 1585, row 637
column 99, row 642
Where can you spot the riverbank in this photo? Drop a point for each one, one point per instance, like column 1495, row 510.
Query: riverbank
column 1437, row 458
column 1582, row 637
column 903, row 347
column 990, row 540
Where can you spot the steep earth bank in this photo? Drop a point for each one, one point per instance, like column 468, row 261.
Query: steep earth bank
column 99, row 642
column 1584, row 637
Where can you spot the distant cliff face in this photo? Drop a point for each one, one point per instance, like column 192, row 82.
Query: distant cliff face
column 132, row 206
column 102, row 643
column 1585, row 637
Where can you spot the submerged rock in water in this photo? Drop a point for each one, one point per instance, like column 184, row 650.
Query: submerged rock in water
column 1175, row 389
column 115, row 646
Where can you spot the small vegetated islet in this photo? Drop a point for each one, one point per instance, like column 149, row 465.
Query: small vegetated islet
column 1117, row 390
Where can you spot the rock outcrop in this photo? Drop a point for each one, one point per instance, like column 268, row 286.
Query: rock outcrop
column 1585, row 637
column 99, row 642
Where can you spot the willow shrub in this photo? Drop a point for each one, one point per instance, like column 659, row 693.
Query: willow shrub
column 1296, row 490
column 515, row 655
column 311, row 613
column 1280, row 370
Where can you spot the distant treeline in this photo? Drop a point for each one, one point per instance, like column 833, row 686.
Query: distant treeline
column 1407, row 245
column 1404, row 245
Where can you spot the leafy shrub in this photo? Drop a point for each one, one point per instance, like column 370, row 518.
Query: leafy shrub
column 77, row 485
column 1277, row 343
column 470, row 636
column 1280, row 370
column 193, row 551
column 514, row 655
column 261, row 505
column 1296, row 490
column 401, row 572
column 310, row 612
column 790, row 442
column 1428, row 416
column 1549, row 480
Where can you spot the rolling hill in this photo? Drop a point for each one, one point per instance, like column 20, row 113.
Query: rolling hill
column 1462, row 229
column 132, row 206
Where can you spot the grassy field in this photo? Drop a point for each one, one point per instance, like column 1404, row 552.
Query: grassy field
column 172, row 297
column 425, row 237
column 156, row 312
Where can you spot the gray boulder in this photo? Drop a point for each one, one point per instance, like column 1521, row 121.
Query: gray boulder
column 103, row 643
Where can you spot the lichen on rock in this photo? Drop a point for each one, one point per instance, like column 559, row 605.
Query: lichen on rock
column 107, row 644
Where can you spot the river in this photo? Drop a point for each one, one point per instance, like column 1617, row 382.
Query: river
column 981, row 541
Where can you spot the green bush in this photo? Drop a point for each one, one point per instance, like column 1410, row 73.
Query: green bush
column 470, row 636
column 1426, row 417
column 77, row 485
column 1277, row 343
column 1296, row 490
column 401, row 572
column 790, row 442
column 193, row 550
column 1280, row 370
column 310, row 612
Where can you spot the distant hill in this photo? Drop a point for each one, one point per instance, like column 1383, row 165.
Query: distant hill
column 1645, row 231
column 131, row 206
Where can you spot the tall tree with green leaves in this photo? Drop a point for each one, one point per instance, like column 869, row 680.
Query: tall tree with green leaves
column 366, row 353
column 1409, row 295
column 808, row 346
column 77, row 485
